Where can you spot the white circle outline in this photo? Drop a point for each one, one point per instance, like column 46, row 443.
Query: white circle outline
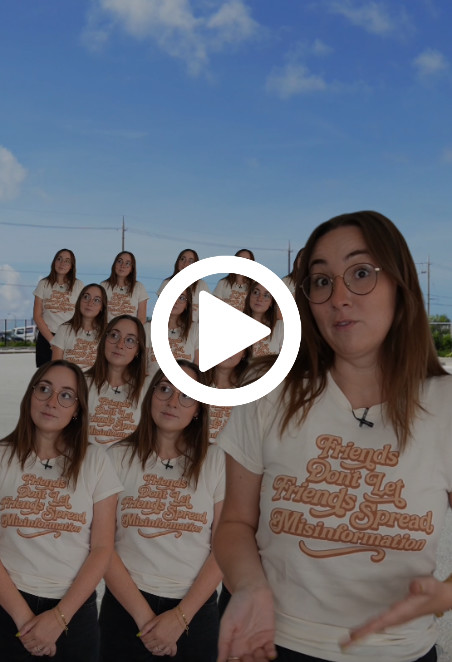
column 159, row 331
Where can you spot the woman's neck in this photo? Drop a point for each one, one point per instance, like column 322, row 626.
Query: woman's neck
column 222, row 377
column 87, row 323
column 120, row 281
column 259, row 317
column 48, row 445
column 169, row 444
column 239, row 279
column 61, row 279
column 360, row 383
column 174, row 322
column 117, row 376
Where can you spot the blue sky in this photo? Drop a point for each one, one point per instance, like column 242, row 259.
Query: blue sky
column 217, row 124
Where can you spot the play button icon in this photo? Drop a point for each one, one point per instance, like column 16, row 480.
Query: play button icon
column 236, row 331
column 224, row 331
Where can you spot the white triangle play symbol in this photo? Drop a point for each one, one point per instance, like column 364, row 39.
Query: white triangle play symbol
column 224, row 331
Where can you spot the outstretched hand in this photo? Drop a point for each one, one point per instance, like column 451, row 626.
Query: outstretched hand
column 247, row 628
column 427, row 596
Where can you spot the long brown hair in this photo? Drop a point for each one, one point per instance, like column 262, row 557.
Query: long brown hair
column 231, row 279
column 176, row 270
column 136, row 370
column 70, row 277
column 407, row 355
column 237, row 373
column 271, row 316
column 100, row 321
column 194, row 438
column 130, row 280
column 184, row 320
column 75, row 435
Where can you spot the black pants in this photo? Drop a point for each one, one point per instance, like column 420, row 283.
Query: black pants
column 118, row 632
column 79, row 644
column 285, row 655
column 43, row 350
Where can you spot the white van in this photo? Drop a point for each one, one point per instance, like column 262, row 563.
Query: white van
column 24, row 333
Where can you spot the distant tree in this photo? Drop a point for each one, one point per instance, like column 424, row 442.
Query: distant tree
column 441, row 331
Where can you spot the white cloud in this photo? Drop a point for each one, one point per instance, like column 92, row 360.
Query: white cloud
column 13, row 297
column 370, row 15
column 293, row 79
column 430, row 63
column 12, row 174
column 320, row 48
column 173, row 26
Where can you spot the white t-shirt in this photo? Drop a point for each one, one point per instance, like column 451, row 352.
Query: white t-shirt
column 181, row 349
column 235, row 296
column 45, row 525
column 58, row 304
column 122, row 302
column 271, row 344
column 79, row 348
column 112, row 415
column 218, row 417
column 346, row 521
column 201, row 286
column 163, row 533
column 290, row 284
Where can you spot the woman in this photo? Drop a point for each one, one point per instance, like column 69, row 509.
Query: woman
column 233, row 288
column 339, row 480
column 162, row 578
column 58, row 498
column 261, row 306
column 116, row 381
column 185, row 258
column 77, row 340
column 126, row 295
column 183, row 334
column 55, row 298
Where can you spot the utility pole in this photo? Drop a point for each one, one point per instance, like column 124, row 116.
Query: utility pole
column 289, row 261
column 123, row 234
column 428, row 286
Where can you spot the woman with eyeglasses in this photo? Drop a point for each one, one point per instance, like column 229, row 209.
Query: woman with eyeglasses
column 116, row 381
column 58, row 498
column 55, row 298
column 125, row 294
column 261, row 306
column 77, row 340
column 233, row 288
column 161, row 584
column 183, row 334
column 185, row 258
column 339, row 480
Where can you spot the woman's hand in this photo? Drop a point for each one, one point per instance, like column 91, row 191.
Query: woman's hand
column 39, row 634
column 427, row 596
column 162, row 632
column 247, row 628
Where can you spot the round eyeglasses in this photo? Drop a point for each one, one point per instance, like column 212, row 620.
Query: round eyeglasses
column 43, row 391
column 114, row 337
column 164, row 391
column 359, row 279
column 87, row 298
column 265, row 295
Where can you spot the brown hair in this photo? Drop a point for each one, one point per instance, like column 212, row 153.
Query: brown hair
column 130, row 280
column 271, row 316
column 100, row 321
column 407, row 355
column 184, row 321
column 195, row 436
column 231, row 279
column 70, row 277
column 176, row 270
column 136, row 370
column 74, row 435
column 237, row 373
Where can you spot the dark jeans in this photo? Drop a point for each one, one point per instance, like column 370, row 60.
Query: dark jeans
column 80, row 644
column 43, row 350
column 285, row 655
column 118, row 632
column 223, row 600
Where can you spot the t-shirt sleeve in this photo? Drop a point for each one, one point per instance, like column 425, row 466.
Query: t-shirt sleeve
column 219, row 289
column 202, row 286
column 242, row 437
column 108, row 482
column 141, row 292
column 220, row 463
column 78, row 287
column 40, row 289
column 162, row 286
column 60, row 337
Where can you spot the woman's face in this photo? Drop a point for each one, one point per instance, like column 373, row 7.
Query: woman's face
column 124, row 265
column 49, row 416
column 122, row 344
column 180, row 305
column 260, row 299
column 245, row 254
column 63, row 263
column 91, row 302
column 353, row 325
column 171, row 415
column 232, row 361
column 187, row 258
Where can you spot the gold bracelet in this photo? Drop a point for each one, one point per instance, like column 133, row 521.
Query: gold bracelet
column 184, row 618
column 448, row 580
column 63, row 619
